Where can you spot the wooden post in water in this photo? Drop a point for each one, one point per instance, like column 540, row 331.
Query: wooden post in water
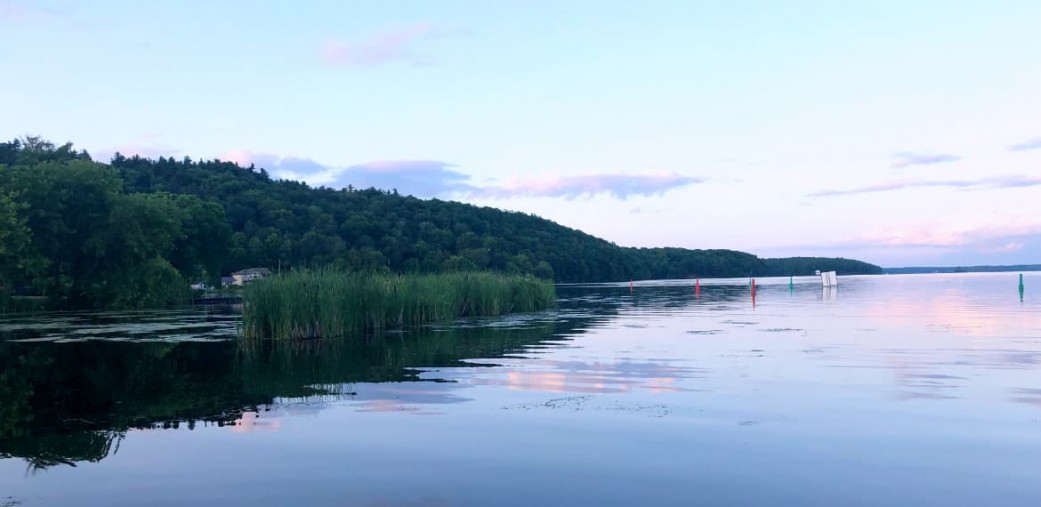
column 630, row 286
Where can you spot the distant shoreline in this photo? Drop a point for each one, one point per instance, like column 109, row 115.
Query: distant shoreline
column 961, row 269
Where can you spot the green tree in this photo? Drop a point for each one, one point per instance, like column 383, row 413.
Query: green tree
column 67, row 226
column 14, row 243
column 68, row 205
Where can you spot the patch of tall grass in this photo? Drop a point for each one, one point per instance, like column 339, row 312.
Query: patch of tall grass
column 325, row 302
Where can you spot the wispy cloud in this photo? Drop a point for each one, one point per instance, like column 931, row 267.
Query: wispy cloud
column 907, row 159
column 621, row 186
column 1012, row 181
column 985, row 235
column 421, row 178
column 393, row 45
column 296, row 168
column 997, row 238
column 1008, row 247
column 1030, row 144
column 435, row 178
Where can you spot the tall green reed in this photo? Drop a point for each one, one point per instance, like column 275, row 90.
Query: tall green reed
column 326, row 302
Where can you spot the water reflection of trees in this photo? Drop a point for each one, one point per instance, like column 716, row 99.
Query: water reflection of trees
column 63, row 403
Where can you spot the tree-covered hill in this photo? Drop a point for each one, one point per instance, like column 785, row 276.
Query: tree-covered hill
column 74, row 229
column 292, row 224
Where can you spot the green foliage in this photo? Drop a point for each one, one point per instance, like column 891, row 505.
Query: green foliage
column 32, row 150
column 316, row 303
column 72, row 235
column 147, row 284
column 202, row 246
column 14, row 237
column 66, row 208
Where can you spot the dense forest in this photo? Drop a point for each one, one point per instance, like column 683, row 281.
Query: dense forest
column 132, row 232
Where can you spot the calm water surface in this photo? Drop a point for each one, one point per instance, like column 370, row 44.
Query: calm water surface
column 889, row 390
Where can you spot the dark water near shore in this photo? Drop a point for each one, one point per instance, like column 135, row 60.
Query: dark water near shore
column 889, row 390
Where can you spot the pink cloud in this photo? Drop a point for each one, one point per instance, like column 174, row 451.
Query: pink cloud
column 240, row 157
column 990, row 235
column 380, row 48
column 250, row 422
column 995, row 236
column 621, row 186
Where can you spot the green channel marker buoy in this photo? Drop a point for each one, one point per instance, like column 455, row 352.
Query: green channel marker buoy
column 1021, row 286
column 791, row 284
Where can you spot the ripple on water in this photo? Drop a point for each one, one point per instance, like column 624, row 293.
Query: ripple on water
column 592, row 404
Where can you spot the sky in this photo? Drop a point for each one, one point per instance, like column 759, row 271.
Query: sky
column 901, row 133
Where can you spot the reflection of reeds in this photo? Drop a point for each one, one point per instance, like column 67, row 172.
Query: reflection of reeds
column 316, row 303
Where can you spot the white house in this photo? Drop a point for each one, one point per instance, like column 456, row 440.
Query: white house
column 248, row 275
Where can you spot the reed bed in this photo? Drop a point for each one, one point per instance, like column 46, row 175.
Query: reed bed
column 325, row 303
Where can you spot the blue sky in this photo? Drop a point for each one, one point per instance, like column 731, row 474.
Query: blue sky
column 901, row 133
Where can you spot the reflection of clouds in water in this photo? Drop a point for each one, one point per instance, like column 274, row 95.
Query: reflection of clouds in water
column 595, row 377
column 251, row 422
column 924, row 395
column 1000, row 359
column 1028, row 396
column 915, row 371
column 404, row 396
column 268, row 418
column 916, row 383
column 952, row 311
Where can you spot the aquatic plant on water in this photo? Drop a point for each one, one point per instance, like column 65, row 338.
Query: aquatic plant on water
column 323, row 303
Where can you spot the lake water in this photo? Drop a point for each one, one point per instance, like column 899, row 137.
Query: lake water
column 889, row 390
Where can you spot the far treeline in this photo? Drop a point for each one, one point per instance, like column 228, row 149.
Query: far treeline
column 961, row 269
column 133, row 232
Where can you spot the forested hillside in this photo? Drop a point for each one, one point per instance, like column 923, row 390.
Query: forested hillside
column 91, row 234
